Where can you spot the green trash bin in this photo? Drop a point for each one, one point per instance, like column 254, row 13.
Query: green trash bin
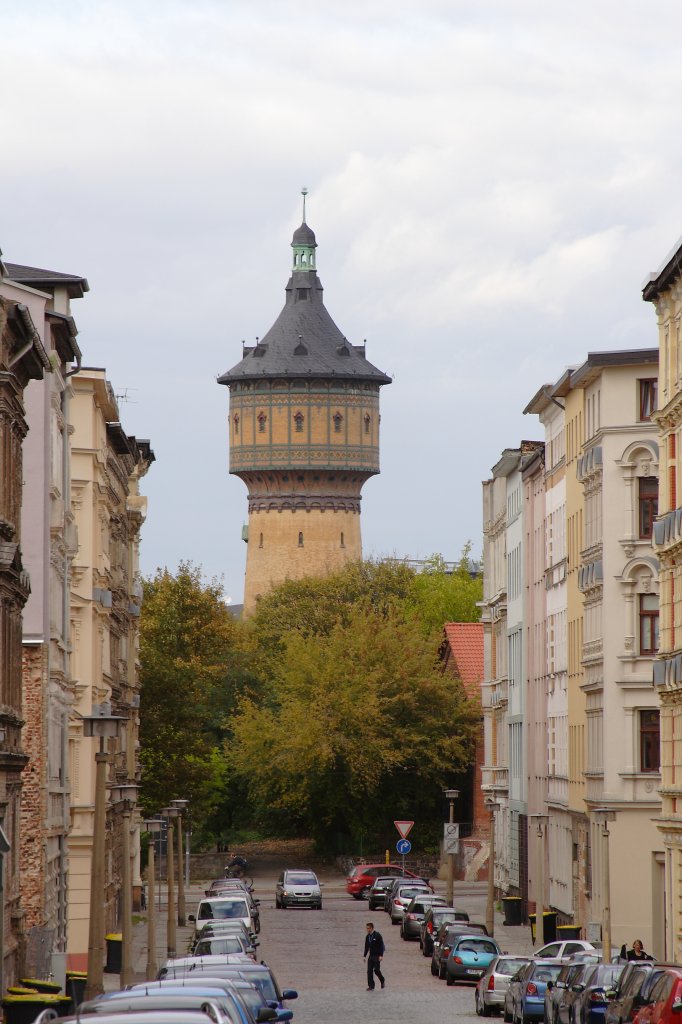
column 75, row 987
column 23, row 1009
column 41, row 985
column 513, row 910
column 114, row 953
column 549, row 918
column 568, row 931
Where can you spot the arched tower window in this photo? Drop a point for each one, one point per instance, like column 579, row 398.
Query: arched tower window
column 338, row 421
column 343, row 543
column 236, row 423
column 367, row 422
column 298, row 422
column 262, row 420
column 300, row 540
column 260, row 541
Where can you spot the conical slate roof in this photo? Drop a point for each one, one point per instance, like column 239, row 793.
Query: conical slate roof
column 304, row 341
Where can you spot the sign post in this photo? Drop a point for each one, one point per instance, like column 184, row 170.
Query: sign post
column 403, row 845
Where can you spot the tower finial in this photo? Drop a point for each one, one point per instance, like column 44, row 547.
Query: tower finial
column 304, row 193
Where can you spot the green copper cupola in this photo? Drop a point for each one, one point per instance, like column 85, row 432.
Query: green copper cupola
column 304, row 245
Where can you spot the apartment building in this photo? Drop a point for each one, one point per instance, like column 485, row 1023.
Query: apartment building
column 664, row 290
column 105, row 607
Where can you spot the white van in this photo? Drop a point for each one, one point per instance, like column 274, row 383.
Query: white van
column 225, row 908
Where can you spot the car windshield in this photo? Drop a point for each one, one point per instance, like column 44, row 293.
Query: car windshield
column 477, row 946
column 224, row 909
column 301, row 878
column 263, row 982
column 208, row 947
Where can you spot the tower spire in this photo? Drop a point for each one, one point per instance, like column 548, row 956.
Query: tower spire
column 304, row 193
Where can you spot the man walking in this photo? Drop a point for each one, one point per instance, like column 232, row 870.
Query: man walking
column 374, row 952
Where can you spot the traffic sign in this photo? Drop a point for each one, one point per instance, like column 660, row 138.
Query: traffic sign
column 404, row 828
column 450, row 838
column 403, row 846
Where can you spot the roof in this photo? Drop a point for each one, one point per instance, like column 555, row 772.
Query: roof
column 304, row 341
column 41, row 279
column 465, row 640
column 662, row 279
column 304, row 235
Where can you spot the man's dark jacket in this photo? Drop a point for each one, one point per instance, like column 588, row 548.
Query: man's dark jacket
column 374, row 944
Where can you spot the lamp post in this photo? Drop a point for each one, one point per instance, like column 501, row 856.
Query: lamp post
column 104, row 726
column 153, row 826
column 181, row 806
column 127, row 796
column 604, row 815
column 540, row 821
column 451, row 795
column 490, row 901
column 171, row 929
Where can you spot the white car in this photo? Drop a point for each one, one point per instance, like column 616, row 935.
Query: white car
column 236, row 907
column 565, row 948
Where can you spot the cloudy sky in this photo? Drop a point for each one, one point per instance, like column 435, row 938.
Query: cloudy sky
column 490, row 183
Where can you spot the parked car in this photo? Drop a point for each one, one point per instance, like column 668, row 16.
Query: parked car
column 434, row 917
column 221, row 885
column 555, row 991
column 414, row 913
column 233, row 908
column 380, row 887
column 361, row 877
column 589, row 1006
column 525, row 998
column 469, row 956
column 218, row 944
column 664, row 1004
column 253, row 996
column 145, row 1017
column 298, row 889
column 258, row 974
column 403, row 887
column 564, row 1005
column 492, row 986
column 213, row 929
column 220, row 1007
column 633, row 990
column 559, row 950
column 194, row 963
column 445, row 936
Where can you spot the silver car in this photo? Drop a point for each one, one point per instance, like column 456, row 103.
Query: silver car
column 298, row 889
column 492, row 987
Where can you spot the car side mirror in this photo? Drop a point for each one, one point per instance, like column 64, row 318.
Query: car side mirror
column 285, row 1014
column 677, row 1006
column 289, row 993
column 256, row 942
column 266, row 1013
column 577, row 988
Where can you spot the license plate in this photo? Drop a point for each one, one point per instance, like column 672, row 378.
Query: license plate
column 471, row 971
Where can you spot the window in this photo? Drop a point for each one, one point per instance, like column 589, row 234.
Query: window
column 343, row 543
column 300, row 540
column 338, row 420
column 262, row 420
column 648, row 623
column 260, row 542
column 367, row 423
column 648, row 504
column 236, row 423
column 301, row 294
column 648, row 398
column 649, row 741
column 298, row 422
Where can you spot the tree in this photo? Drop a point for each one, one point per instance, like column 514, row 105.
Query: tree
column 358, row 719
column 438, row 596
column 190, row 657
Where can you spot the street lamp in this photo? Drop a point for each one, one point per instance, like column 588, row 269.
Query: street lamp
column 540, row 820
column 181, row 806
column 126, row 794
column 451, row 795
column 171, row 930
column 104, row 726
column 604, row 815
column 153, row 826
column 490, row 902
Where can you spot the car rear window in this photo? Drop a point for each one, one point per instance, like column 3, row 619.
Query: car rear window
column 477, row 946
column 226, row 909
column 509, row 967
column 546, row 972
column 209, row 947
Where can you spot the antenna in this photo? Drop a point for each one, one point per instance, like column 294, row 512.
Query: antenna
column 122, row 396
column 304, row 193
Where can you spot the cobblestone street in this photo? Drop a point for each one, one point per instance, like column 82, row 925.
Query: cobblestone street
column 320, row 955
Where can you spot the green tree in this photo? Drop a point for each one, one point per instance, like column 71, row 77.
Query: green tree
column 358, row 719
column 190, row 657
column 438, row 596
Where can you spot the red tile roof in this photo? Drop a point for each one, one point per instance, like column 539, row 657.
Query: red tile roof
column 465, row 640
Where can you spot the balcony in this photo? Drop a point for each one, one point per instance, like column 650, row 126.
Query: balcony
column 668, row 529
column 495, row 777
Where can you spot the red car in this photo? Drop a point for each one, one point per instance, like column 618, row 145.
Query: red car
column 362, row 876
column 665, row 1000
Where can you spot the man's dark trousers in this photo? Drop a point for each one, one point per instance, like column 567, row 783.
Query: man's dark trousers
column 374, row 967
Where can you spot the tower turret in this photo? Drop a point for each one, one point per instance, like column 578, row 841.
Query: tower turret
column 304, row 435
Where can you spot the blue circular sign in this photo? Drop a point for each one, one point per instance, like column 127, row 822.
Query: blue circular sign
column 403, row 846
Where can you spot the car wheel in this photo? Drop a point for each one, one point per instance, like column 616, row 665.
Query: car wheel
column 434, row 969
column 449, row 980
column 425, row 951
column 441, row 971
column 357, row 895
column 506, row 1014
column 477, row 1005
column 319, row 906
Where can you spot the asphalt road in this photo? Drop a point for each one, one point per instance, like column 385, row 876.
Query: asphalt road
column 319, row 953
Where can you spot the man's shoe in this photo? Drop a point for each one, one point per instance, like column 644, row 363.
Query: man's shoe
column 383, row 984
column 370, row 988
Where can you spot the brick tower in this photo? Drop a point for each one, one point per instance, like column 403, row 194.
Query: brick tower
column 304, row 435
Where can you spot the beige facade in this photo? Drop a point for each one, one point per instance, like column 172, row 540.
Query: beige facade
column 664, row 290
column 105, row 608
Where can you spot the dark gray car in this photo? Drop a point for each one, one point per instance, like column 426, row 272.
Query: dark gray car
column 434, row 917
column 414, row 914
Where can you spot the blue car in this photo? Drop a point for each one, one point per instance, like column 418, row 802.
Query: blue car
column 525, row 999
column 469, row 957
